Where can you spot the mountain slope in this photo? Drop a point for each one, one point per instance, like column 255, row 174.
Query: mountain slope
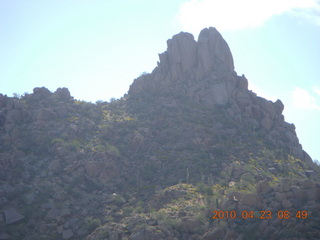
column 187, row 140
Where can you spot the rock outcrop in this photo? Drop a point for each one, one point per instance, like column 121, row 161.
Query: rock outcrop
column 186, row 63
column 203, row 71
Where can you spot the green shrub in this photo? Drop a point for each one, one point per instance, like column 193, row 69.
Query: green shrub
column 204, row 188
column 118, row 200
column 138, row 209
column 74, row 145
column 57, row 140
column 127, row 210
column 91, row 223
column 114, row 150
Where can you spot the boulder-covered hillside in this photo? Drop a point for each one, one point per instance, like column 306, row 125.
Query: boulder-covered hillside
column 188, row 153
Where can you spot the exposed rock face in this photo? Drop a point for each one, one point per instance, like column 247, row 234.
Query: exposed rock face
column 186, row 62
column 203, row 71
column 102, row 168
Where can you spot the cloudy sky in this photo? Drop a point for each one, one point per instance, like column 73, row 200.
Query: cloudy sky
column 97, row 48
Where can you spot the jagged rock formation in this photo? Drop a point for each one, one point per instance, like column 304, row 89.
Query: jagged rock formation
column 187, row 139
column 198, row 70
column 204, row 72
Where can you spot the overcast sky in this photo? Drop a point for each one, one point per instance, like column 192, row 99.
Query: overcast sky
column 97, row 48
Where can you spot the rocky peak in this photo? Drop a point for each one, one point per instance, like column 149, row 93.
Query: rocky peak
column 186, row 58
column 203, row 72
column 214, row 52
column 187, row 62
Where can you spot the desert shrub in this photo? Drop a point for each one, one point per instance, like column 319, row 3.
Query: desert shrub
column 118, row 200
column 57, row 140
column 74, row 145
column 158, row 215
column 91, row 223
column 138, row 209
column 100, row 148
column 112, row 149
column 127, row 210
column 204, row 188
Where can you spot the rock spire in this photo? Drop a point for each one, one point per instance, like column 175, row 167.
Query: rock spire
column 203, row 71
column 187, row 62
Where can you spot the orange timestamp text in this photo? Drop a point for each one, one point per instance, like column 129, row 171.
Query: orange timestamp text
column 259, row 214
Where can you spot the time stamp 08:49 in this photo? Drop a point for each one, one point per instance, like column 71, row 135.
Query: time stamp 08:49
column 259, row 214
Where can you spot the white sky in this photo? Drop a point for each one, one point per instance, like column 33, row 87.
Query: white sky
column 303, row 99
column 97, row 48
column 236, row 15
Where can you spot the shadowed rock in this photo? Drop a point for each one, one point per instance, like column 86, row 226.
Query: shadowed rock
column 203, row 72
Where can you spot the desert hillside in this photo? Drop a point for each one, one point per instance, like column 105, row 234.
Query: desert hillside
column 188, row 153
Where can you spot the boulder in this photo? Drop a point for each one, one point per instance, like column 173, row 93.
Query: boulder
column 243, row 99
column 40, row 94
column 250, row 200
column 236, row 170
column 67, row 234
column 285, row 187
column 190, row 225
column 286, row 203
column 136, row 143
column 313, row 194
column 12, row 216
column 102, row 168
column 63, row 93
column 263, row 187
column 299, row 193
column 278, row 107
column 307, row 183
column 280, row 196
column 53, row 213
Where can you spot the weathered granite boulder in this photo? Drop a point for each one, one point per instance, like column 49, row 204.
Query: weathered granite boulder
column 263, row 187
column 12, row 216
column 62, row 93
column 40, row 93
